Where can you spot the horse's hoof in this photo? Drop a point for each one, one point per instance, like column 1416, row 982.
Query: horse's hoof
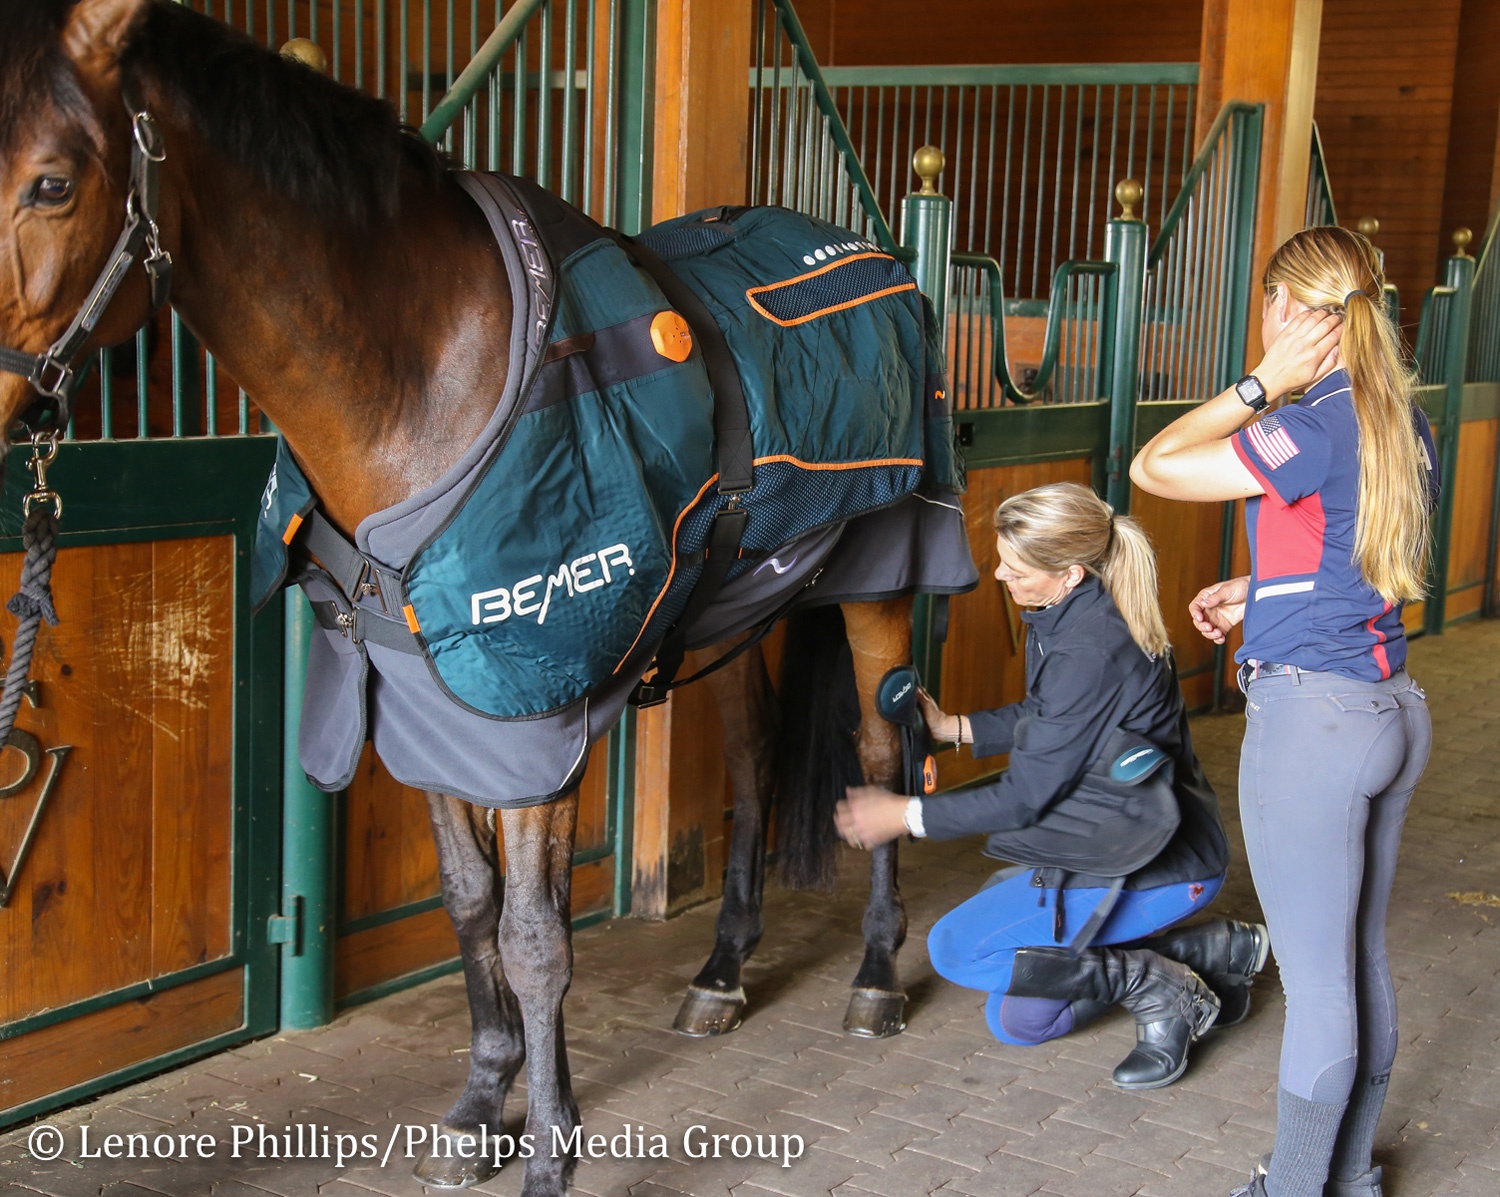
column 705, row 1013
column 443, row 1167
column 875, row 1013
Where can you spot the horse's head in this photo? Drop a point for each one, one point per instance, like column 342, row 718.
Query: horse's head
column 65, row 173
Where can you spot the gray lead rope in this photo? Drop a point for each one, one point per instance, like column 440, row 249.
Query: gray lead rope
column 32, row 602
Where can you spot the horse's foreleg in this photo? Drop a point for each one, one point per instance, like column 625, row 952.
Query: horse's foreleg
column 716, row 999
column 536, row 946
column 472, row 893
column 880, row 638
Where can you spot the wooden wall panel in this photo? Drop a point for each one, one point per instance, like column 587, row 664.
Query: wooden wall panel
column 982, row 661
column 57, row 1057
column 881, row 32
column 1384, row 106
column 1468, row 552
column 132, row 857
column 1472, row 182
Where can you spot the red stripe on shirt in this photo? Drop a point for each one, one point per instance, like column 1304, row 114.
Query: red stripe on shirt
column 1289, row 539
column 1381, row 661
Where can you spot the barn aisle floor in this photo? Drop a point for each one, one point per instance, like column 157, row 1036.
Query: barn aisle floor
column 941, row 1108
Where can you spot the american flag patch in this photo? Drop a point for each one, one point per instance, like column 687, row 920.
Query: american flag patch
column 1272, row 441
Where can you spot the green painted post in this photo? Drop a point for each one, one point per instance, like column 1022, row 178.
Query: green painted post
column 1460, row 276
column 305, row 926
column 1125, row 246
column 636, row 107
column 926, row 218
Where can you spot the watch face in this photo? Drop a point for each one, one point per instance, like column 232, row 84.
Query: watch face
column 1251, row 393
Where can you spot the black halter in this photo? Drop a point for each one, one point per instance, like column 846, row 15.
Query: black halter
column 54, row 374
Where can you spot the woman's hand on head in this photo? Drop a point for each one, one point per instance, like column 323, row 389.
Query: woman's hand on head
column 870, row 816
column 1218, row 608
column 1305, row 350
column 942, row 726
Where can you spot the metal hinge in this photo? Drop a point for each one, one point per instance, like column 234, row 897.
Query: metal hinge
column 286, row 929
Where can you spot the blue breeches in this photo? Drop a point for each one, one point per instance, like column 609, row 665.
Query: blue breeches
column 975, row 944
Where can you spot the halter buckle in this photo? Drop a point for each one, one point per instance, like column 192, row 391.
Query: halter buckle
column 54, row 385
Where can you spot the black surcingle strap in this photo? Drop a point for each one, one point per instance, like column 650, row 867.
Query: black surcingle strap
column 735, row 457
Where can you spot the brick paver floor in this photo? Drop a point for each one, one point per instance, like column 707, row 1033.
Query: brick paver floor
column 941, row 1108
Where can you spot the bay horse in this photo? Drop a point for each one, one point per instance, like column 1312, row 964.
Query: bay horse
column 288, row 204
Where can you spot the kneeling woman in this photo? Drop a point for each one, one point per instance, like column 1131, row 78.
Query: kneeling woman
column 1065, row 937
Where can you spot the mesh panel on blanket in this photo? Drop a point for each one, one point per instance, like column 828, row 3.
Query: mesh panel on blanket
column 682, row 240
column 832, row 288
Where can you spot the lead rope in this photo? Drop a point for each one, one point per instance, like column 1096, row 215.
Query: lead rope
column 32, row 602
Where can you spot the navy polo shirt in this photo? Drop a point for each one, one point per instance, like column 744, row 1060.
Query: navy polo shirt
column 1309, row 605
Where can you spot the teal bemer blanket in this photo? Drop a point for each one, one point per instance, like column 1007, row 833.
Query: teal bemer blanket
column 564, row 547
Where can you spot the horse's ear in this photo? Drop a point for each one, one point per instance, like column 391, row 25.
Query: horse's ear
column 97, row 31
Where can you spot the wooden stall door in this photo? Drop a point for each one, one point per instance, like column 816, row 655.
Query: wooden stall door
column 132, row 930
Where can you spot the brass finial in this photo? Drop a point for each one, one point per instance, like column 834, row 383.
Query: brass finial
column 307, row 52
column 928, row 163
column 1368, row 226
column 1461, row 238
column 1128, row 192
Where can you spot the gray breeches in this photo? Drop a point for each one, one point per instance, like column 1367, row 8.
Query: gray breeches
column 1327, row 770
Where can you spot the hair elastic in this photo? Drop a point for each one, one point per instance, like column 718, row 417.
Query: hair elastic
column 1352, row 294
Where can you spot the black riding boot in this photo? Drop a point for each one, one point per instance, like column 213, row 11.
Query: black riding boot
column 1225, row 953
column 1172, row 1005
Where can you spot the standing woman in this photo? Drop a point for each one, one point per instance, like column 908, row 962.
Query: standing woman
column 1340, row 486
column 1089, row 921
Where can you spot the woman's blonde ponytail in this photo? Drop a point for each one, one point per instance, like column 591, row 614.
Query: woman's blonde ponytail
column 1336, row 270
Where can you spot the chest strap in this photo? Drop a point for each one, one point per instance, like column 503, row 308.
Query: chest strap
column 358, row 578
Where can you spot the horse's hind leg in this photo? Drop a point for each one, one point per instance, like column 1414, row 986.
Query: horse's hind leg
column 880, row 638
column 536, row 946
column 473, row 893
column 715, row 999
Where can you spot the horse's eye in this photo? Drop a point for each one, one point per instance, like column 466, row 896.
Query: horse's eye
column 53, row 190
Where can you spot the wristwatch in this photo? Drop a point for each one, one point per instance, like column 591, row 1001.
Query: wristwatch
column 1251, row 393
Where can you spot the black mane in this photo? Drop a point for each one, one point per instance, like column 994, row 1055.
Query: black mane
column 336, row 151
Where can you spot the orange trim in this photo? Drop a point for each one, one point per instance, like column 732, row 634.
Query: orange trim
column 840, row 465
column 839, row 307
column 411, row 619
column 671, row 573
column 291, row 529
column 681, row 515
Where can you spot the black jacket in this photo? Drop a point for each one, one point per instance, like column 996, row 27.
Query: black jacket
column 1085, row 677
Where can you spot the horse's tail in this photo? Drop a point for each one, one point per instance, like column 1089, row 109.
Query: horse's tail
column 817, row 758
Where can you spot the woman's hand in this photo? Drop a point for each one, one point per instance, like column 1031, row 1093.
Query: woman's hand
column 1306, row 349
column 870, row 816
column 1217, row 608
column 939, row 725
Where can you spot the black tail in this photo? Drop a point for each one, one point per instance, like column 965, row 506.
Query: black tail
column 819, row 723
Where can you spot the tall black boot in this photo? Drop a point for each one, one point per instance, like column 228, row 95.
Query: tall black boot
column 1225, row 953
column 1172, row 1005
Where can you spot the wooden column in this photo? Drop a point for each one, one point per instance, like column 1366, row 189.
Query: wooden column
column 1266, row 51
column 702, row 104
column 701, row 142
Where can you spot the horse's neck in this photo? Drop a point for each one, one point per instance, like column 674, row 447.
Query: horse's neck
column 378, row 358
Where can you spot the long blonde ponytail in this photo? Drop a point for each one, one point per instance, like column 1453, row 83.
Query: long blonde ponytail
column 1053, row 527
column 1336, row 270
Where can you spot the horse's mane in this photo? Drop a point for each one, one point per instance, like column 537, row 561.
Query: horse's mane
column 334, row 150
